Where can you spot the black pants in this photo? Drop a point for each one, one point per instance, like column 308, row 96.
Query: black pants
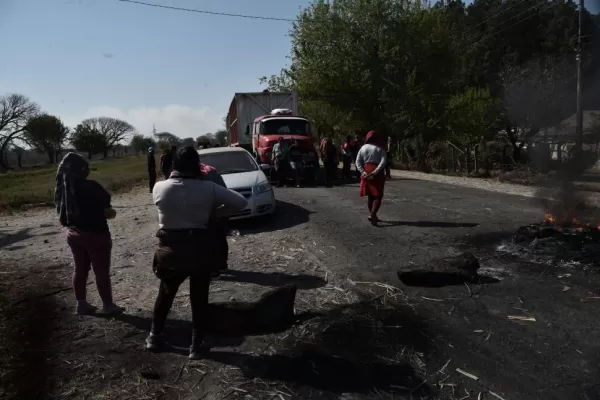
column 330, row 171
column 166, row 173
column 151, row 179
column 221, row 229
column 388, row 165
column 199, row 287
column 347, row 163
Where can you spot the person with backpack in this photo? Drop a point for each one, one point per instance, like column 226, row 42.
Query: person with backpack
column 83, row 207
column 188, row 247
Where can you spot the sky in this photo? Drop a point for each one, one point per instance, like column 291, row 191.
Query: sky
column 174, row 70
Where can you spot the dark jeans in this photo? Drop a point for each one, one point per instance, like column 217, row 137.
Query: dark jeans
column 347, row 163
column 388, row 165
column 221, row 229
column 330, row 171
column 283, row 170
column 199, row 287
column 151, row 179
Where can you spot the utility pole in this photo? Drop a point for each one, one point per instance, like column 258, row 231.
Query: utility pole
column 579, row 116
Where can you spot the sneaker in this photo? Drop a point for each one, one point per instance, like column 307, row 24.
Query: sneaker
column 112, row 309
column 199, row 352
column 154, row 342
column 85, row 308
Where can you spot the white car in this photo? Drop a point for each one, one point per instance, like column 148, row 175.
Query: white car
column 242, row 173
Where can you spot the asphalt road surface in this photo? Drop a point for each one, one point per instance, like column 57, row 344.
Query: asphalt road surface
column 553, row 357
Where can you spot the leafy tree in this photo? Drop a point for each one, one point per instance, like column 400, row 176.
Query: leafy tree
column 46, row 133
column 15, row 111
column 278, row 83
column 220, row 137
column 474, row 118
column 168, row 138
column 141, row 143
column 88, row 140
column 111, row 130
column 405, row 68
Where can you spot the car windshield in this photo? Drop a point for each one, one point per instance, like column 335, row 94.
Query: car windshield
column 229, row 162
column 290, row 126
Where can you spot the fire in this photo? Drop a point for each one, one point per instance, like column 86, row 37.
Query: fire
column 549, row 218
column 572, row 222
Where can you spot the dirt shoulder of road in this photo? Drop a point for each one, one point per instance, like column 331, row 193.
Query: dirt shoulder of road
column 592, row 197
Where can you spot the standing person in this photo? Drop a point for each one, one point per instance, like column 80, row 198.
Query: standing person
column 370, row 161
column 354, row 148
column 346, row 151
column 166, row 163
column 330, row 161
column 296, row 161
column 388, row 164
column 187, row 246
column 83, row 206
column 281, row 161
column 151, row 168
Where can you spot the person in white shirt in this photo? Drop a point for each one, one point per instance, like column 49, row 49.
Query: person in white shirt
column 370, row 162
column 187, row 244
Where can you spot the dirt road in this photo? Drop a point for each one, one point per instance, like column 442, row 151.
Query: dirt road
column 371, row 337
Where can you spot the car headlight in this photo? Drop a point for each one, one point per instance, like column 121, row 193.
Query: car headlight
column 263, row 187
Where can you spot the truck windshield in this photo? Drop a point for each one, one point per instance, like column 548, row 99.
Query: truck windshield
column 282, row 126
column 229, row 162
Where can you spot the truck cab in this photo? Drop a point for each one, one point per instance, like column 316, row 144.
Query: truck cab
column 266, row 130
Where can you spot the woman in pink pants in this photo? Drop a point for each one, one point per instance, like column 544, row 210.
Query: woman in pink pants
column 83, row 207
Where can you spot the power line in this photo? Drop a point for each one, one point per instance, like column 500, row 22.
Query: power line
column 493, row 16
column 222, row 14
column 489, row 35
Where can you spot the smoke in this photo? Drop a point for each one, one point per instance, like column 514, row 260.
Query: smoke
column 540, row 96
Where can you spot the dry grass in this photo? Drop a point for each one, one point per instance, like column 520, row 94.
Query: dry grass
column 36, row 186
column 351, row 337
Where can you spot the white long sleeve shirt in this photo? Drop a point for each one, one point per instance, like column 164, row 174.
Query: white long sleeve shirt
column 371, row 154
column 189, row 203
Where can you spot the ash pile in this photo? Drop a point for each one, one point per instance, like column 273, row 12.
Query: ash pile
column 569, row 234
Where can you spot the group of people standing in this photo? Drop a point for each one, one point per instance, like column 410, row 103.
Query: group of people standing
column 192, row 241
column 192, row 202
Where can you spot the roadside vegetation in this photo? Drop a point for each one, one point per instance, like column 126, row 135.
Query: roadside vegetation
column 460, row 88
column 35, row 185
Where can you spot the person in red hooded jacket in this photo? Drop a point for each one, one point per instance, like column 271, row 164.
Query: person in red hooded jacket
column 370, row 162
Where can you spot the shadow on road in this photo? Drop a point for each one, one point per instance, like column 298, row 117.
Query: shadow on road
column 287, row 215
column 357, row 348
column 302, row 281
column 427, row 224
column 434, row 279
column 323, row 372
column 9, row 239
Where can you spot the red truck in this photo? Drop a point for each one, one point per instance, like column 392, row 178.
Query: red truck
column 256, row 121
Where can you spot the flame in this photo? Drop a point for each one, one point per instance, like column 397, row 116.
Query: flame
column 549, row 218
column 572, row 222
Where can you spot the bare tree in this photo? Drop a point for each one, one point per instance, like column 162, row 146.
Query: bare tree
column 15, row 110
column 112, row 130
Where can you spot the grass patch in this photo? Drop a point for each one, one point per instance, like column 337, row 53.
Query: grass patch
column 35, row 186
